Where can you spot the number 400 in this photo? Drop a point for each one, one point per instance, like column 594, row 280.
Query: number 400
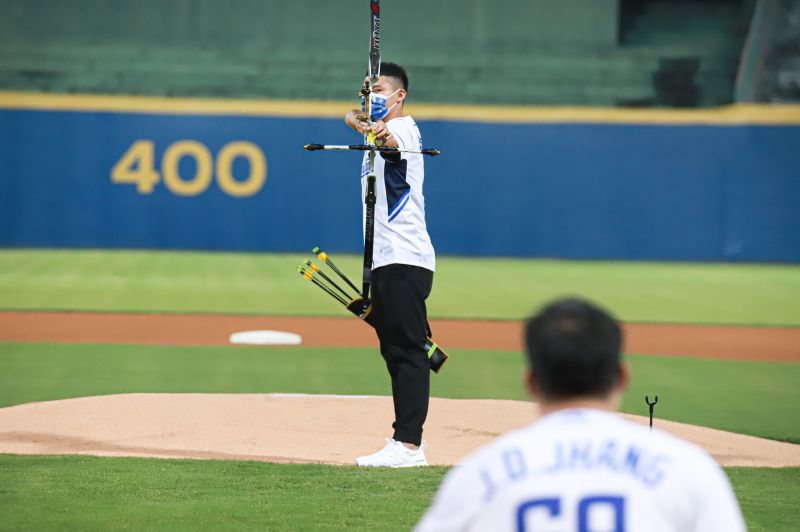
column 136, row 166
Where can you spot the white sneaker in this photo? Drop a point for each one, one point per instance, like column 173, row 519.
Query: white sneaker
column 394, row 454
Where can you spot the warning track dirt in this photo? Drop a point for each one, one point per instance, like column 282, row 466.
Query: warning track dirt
column 734, row 343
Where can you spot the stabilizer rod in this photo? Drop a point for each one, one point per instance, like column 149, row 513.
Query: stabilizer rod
column 367, row 147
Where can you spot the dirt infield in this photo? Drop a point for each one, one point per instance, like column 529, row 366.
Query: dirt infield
column 299, row 428
column 736, row 343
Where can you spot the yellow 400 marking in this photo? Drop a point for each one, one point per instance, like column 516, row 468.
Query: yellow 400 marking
column 136, row 167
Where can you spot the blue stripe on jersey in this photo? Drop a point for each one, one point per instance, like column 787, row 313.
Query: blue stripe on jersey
column 394, row 177
column 399, row 206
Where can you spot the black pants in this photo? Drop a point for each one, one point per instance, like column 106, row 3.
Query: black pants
column 401, row 321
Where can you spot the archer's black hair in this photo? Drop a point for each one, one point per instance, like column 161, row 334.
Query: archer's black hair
column 396, row 71
column 574, row 350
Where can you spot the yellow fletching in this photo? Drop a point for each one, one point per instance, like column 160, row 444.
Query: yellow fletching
column 323, row 256
column 308, row 275
column 371, row 137
column 314, row 266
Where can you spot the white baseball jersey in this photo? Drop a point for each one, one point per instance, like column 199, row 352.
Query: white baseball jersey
column 401, row 236
column 586, row 470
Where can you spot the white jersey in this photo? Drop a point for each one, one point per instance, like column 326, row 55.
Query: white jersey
column 401, row 236
column 586, row 470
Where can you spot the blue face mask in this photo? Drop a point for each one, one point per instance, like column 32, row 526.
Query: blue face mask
column 377, row 105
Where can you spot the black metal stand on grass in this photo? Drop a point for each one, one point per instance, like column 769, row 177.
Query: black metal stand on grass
column 652, row 407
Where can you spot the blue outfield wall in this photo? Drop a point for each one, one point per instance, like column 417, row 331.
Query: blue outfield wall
column 589, row 191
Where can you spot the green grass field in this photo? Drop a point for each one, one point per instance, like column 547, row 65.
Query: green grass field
column 757, row 398
column 41, row 493
column 83, row 493
column 463, row 288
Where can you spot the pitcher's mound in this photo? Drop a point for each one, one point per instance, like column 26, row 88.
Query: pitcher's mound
column 298, row 428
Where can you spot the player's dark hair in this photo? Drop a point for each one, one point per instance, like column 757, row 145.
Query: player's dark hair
column 396, row 71
column 574, row 350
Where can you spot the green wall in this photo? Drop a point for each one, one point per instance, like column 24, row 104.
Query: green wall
column 297, row 28
column 473, row 51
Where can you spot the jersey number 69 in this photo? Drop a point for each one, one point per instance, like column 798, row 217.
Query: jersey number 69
column 552, row 508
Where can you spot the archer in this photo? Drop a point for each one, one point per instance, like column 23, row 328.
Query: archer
column 403, row 263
